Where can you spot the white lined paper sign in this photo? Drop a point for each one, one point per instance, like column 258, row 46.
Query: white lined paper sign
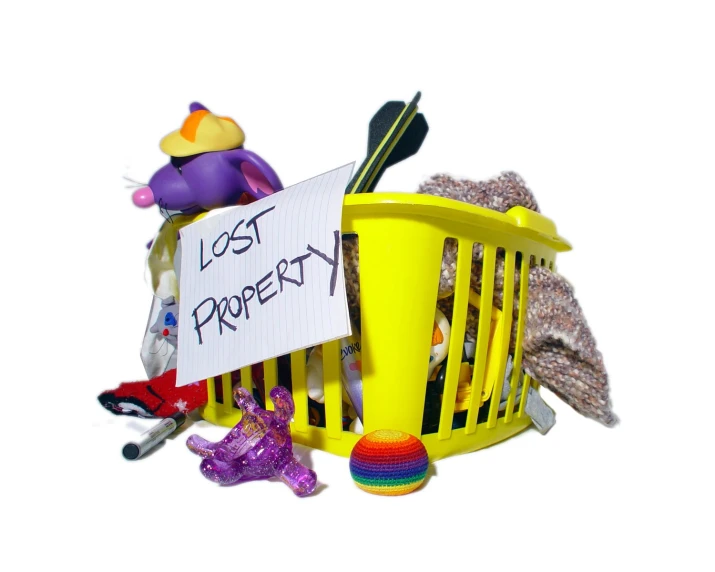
column 262, row 280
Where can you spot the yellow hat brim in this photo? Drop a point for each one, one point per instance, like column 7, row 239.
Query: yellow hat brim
column 213, row 134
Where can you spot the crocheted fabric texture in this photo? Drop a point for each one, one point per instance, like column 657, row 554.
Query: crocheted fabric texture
column 387, row 462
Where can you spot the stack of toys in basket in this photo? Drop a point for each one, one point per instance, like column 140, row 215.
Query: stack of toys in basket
column 208, row 169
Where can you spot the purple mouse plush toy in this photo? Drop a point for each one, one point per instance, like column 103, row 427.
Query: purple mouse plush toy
column 208, row 169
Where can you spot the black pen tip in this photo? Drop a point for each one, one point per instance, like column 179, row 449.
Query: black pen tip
column 130, row 451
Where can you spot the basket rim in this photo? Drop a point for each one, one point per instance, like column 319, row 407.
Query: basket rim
column 519, row 220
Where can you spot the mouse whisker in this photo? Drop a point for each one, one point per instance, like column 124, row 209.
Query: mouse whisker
column 137, row 183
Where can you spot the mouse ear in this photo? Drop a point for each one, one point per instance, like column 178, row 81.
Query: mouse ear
column 196, row 106
column 261, row 179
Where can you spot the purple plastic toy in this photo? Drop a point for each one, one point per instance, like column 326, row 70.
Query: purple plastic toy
column 258, row 447
column 209, row 168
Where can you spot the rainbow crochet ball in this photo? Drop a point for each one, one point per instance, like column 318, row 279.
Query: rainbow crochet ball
column 387, row 462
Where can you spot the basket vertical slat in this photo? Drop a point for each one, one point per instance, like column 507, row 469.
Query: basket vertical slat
column 456, row 340
column 270, row 379
column 520, row 327
column 396, row 322
column 502, row 345
column 484, row 337
column 300, row 391
column 333, row 390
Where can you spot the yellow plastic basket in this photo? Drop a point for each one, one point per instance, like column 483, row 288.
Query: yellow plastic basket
column 401, row 242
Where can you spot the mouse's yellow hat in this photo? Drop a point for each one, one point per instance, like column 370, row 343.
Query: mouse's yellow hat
column 203, row 131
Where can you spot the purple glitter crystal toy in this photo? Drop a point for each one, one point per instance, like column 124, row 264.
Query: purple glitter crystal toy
column 258, row 447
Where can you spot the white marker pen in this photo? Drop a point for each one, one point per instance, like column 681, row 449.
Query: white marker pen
column 151, row 438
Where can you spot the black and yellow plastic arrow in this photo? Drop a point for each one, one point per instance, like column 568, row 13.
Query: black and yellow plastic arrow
column 396, row 133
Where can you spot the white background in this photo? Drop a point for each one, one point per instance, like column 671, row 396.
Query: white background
column 606, row 111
